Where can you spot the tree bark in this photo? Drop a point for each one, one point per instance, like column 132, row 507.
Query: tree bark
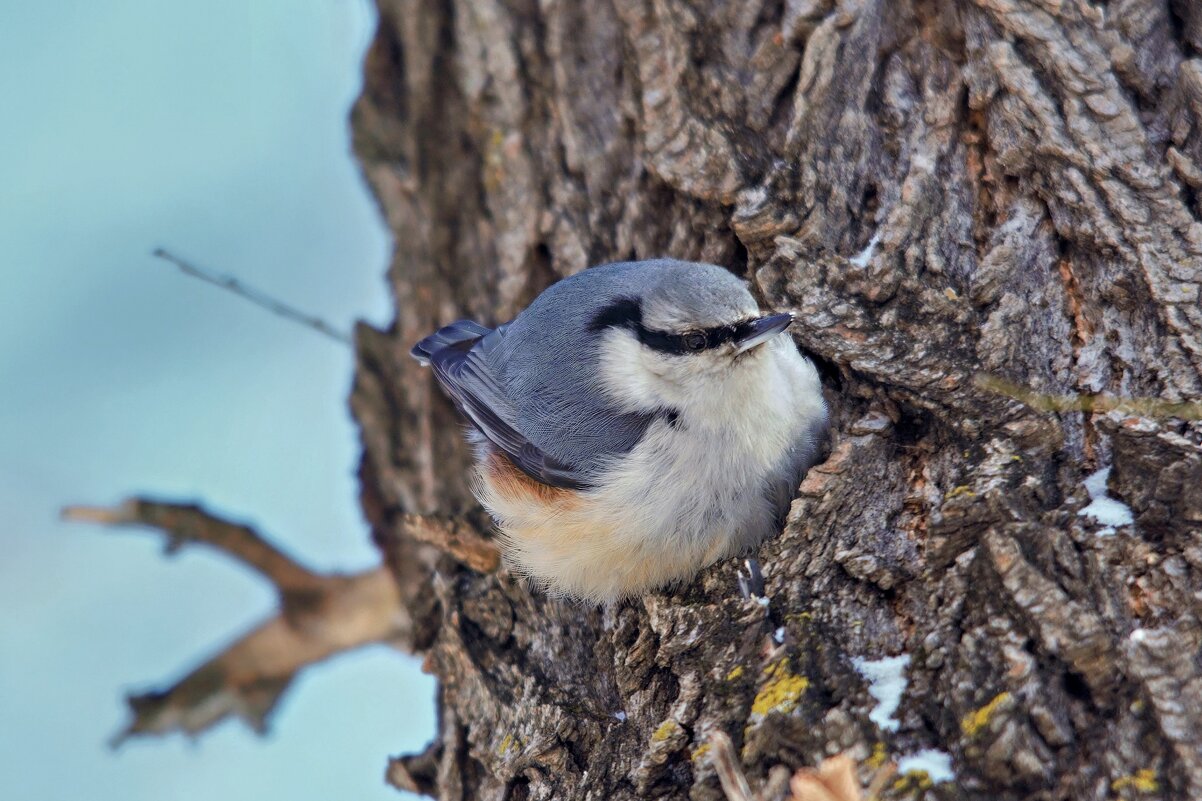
column 939, row 190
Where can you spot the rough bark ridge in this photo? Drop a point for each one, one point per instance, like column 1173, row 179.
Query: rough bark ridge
column 938, row 189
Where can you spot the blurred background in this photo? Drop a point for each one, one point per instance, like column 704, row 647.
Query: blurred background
column 217, row 130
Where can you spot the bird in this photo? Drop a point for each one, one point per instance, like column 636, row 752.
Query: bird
column 637, row 422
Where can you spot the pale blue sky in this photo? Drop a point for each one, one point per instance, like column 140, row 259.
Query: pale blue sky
column 218, row 130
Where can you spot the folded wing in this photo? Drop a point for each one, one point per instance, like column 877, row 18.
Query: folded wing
column 454, row 353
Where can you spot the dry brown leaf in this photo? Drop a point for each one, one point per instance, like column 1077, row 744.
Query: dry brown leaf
column 835, row 780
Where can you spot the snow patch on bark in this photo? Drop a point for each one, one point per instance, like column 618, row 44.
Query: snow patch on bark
column 861, row 259
column 886, row 683
column 1110, row 512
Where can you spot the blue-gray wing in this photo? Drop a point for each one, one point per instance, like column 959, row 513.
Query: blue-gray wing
column 454, row 354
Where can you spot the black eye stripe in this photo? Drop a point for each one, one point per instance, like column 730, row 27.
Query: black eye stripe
column 626, row 313
column 680, row 343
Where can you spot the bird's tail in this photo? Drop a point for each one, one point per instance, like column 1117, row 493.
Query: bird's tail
column 460, row 334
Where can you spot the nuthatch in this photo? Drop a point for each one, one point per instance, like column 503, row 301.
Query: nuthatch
column 637, row 422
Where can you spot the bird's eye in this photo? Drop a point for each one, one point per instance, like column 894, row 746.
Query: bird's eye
column 694, row 340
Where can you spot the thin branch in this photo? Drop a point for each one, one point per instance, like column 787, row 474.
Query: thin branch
column 247, row 678
column 1044, row 402
column 190, row 524
column 726, row 765
column 255, row 296
column 455, row 537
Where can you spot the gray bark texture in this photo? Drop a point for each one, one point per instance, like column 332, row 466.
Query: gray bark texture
column 939, row 190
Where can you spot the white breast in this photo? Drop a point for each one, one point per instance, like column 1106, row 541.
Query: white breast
column 691, row 492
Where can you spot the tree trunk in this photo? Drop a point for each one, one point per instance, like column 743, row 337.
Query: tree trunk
column 939, row 190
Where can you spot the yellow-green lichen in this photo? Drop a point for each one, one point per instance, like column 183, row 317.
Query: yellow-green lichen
column 735, row 673
column 913, row 780
column 878, row 757
column 666, row 730
column 1142, row 781
column 962, row 490
column 700, row 752
column 975, row 722
column 781, row 691
column 508, row 743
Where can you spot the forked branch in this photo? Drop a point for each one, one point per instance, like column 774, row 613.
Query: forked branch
column 187, row 524
column 320, row 615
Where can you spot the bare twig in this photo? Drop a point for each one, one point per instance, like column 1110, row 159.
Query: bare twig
column 255, row 296
column 187, row 523
column 1044, row 402
column 726, row 764
column 319, row 616
column 247, row 678
column 454, row 537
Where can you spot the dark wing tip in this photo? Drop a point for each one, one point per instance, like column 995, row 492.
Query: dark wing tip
column 459, row 334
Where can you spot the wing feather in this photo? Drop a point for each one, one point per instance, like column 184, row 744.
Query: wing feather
column 479, row 396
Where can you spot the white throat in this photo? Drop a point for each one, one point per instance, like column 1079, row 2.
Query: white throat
column 709, row 389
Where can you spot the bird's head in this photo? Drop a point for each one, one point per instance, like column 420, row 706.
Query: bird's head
column 693, row 332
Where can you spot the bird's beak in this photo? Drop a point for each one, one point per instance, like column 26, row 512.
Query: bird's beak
column 761, row 330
